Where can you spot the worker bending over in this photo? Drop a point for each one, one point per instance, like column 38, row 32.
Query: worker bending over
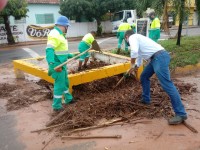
column 123, row 27
column 84, row 45
column 144, row 48
column 56, row 54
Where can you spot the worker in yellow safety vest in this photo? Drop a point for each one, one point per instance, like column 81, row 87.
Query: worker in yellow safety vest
column 154, row 32
column 123, row 27
column 85, row 44
column 56, row 54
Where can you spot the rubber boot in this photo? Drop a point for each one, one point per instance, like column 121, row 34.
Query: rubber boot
column 176, row 120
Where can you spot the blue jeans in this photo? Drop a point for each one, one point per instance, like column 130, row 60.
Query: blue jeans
column 160, row 66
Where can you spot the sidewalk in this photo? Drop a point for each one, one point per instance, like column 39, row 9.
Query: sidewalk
column 183, row 27
column 36, row 42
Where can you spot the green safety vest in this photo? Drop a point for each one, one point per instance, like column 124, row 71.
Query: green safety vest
column 88, row 39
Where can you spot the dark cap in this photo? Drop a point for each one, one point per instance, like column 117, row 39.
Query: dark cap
column 152, row 13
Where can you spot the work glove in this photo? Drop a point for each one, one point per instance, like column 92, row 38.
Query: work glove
column 51, row 69
column 126, row 75
column 133, row 70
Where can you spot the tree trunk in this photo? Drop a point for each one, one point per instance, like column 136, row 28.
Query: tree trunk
column 179, row 34
column 10, row 37
column 99, row 28
column 180, row 22
column 166, row 18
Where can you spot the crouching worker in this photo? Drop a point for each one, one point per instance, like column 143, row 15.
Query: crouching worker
column 56, row 54
column 84, row 45
column 144, row 48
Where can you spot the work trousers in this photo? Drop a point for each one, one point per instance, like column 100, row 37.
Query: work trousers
column 82, row 47
column 120, row 40
column 160, row 66
column 61, row 87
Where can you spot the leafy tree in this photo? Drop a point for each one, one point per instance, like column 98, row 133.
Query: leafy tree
column 179, row 7
column 93, row 9
column 117, row 5
column 160, row 7
column 16, row 8
column 75, row 9
column 142, row 5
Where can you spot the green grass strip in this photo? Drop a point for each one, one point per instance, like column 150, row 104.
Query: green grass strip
column 186, row 54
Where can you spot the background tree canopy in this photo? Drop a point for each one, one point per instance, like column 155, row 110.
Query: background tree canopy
column 93, row 9
column 16, row 8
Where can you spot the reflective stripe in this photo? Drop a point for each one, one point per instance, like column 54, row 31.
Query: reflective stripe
column 66, row 91
column 61, row 52
column 49, row 46
column 86, row 43
column 122, row 31
column 57, row 96
column 154, row 29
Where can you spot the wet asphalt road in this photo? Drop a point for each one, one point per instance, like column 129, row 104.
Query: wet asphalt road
column 27, row 51
column 8, row 136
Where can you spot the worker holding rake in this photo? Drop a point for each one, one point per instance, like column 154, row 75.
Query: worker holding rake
column 56, row 54
column 144, row 48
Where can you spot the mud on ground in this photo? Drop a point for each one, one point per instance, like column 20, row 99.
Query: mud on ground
column 96, row 100
column 155, row 135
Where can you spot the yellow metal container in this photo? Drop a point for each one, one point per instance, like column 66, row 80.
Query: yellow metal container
column 35, row 66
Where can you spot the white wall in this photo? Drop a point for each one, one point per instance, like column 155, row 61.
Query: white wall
column 22, row 33
column 195, row 18
column 39, row 9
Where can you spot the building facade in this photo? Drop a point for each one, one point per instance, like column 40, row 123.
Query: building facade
column 192, row 18
column 41, row 19
column 40, row 12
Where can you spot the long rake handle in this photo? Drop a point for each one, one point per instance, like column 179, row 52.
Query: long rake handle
column 71, row 59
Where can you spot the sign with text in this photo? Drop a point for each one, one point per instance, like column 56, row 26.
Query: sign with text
column 142, row 26
column 17, row 32
column 38, row 32
column 34, row 31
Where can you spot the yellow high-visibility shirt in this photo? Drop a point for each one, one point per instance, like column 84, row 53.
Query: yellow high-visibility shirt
column 88, row 39
column 124, row 27
column 57, row 40
column 155, row 24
